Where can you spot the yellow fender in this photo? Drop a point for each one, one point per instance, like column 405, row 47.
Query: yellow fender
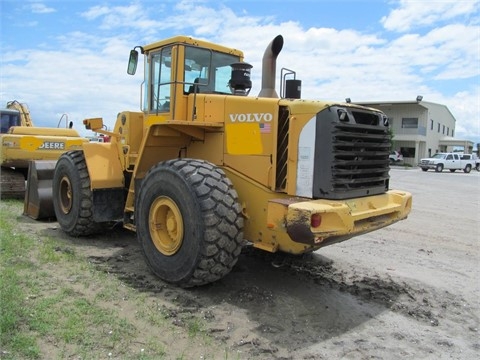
column 104, row 166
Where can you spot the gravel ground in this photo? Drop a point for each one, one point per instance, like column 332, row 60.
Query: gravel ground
column 409, row 291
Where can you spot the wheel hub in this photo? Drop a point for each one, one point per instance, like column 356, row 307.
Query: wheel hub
column 65, row 195
column 166, row 225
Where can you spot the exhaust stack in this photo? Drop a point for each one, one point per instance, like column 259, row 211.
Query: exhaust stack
column 269, row 66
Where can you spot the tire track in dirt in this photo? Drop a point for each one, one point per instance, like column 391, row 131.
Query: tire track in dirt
column 263, row 306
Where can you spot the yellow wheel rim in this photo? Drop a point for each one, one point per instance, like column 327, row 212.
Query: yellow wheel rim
column 65, row 195
column 166, row 225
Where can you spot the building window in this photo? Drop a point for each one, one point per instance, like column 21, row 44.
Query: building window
column 452, row 133
column 438, row 127
column 443, row 130
column 448, row 131
column 409, row 123
column 431, row 124
column 407, row 152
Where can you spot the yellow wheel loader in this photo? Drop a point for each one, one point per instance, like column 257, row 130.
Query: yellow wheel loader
column 22, row 142
column 205, row 168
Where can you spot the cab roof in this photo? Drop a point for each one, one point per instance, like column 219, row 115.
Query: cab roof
column 181, row 39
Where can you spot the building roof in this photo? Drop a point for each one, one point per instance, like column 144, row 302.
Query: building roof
column 424, row 104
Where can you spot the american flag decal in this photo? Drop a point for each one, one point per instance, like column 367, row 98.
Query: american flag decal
column 265, row 128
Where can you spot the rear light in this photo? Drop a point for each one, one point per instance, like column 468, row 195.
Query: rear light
column 315, row 220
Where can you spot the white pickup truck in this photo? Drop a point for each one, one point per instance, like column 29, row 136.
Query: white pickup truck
column 473, row 158
column 450, row 161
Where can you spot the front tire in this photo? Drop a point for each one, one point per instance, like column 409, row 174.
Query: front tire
column 72, row 196
column 439, row 168
column 189, row 222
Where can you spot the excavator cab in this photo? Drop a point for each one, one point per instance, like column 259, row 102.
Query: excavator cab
column 9, row 118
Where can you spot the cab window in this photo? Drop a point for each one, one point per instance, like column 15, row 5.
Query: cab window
column 208, row 71
column 161, row 80
column 7, row 121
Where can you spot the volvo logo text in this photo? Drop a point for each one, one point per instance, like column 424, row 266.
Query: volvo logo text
column 251, row 117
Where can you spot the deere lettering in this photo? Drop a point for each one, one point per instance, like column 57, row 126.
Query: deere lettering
column 52, row 145
column 251, row 117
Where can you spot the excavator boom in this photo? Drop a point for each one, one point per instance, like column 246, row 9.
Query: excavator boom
column 25, row 119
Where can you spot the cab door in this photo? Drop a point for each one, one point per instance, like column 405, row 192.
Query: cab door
column 159, row 82
column 452, row 161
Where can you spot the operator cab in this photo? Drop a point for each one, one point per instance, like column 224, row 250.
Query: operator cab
column 9, row 118
column 181, row 67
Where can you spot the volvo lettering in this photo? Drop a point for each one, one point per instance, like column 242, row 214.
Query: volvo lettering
column 255, row 117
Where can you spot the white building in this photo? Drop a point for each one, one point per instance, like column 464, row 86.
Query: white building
column 421, row 128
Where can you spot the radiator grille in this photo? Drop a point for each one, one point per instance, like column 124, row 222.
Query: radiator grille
column 351, row 156
column 360, row 156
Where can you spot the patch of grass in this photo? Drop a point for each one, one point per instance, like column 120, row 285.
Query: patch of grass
column 34, row 305
column 195, row 327
column 72, row 319
column 14, row 248
column 55, row 304
column 52, row 252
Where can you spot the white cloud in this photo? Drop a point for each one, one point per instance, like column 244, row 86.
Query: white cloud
column 412, row 14
column 465, row 106
column 81, row 83
column 86, row 75
column 40, row 8
column 95, row 12
column 116, row 17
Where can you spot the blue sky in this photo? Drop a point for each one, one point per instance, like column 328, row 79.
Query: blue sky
column 70, row 56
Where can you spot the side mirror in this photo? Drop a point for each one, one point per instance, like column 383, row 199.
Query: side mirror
column 132, row 62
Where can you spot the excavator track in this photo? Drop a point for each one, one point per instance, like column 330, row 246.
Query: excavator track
column 12, row 184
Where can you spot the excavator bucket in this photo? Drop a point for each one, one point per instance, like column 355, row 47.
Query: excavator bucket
column 38, row 196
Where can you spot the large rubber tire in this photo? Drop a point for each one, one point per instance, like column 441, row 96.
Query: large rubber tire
column 439, row 168
column 467, row 169
column 72, row 197
column 189, row 222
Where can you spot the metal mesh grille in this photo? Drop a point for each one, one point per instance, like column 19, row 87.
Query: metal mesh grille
column 360, row 156
column 351, row 153
column 282, row 149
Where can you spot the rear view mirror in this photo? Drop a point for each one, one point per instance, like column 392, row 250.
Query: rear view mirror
column 132, row 62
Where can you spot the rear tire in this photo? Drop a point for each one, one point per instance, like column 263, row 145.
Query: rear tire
column 467, row 169
column 72, row 197
column 189, row 222
column 439, row 168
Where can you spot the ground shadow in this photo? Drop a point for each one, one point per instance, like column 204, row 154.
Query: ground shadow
column 267, row 302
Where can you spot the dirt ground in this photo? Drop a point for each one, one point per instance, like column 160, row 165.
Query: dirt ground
column 410, row 291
